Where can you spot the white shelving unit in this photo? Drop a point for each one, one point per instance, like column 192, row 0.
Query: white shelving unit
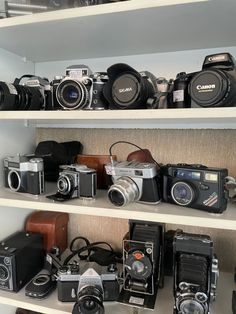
column 119, row 29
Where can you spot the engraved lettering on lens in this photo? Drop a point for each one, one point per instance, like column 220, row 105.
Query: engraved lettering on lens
column 204, row 87
column 125, row 90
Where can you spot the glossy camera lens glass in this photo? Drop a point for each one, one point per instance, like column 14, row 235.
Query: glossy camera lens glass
column 90, row 301
column 182, row 193
column 191, row 306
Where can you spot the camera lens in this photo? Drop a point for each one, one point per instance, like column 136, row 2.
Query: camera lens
column 90, row 301
column 123, row 192
column 72, row 94
column 191, row 306
column 14, row 180
column 65, row 184
column 4, row 273
column 213, row 88
column 182, row 193
column 138, row 265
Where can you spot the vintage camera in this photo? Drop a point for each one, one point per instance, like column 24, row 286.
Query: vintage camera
column 34, row 94
column 75, row 181
column 24, row 173
column 21, row 258
column 142, row 264
column 79, row 89
column 195, row 273
column 133, row 182
column 127, row 88
column 87, row 282
column 214, row 86
column 195, row 186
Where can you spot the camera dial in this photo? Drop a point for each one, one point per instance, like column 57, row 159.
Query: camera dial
column 182, row 193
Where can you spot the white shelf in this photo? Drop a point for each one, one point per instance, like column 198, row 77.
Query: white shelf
column 101, row 206
column 125, row 28
column 198, row 118
column 164, row 303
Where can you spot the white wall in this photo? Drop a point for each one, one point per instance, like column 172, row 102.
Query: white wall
column 161, row 64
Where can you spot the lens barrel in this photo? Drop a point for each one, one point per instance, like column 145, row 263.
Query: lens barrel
column 90, row 301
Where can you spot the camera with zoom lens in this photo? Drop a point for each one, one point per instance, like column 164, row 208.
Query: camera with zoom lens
column 79, row 89
column 24, row 174
column 142, row 264
column 75, row 181
column 214, row 86
column 195, row 273
column 195, row 186
column 128, row 89
column 133, row 182
column 88, row 284
column 34, row 94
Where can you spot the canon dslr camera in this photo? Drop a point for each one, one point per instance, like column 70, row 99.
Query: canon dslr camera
column 75, row 181
column 24, row 174
column 195, row 186
column 79, row 89
column 195, row 273
column 133, row 182
column 214, row 86
column 89, row 284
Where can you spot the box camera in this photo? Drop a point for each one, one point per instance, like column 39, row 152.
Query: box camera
column 75, row 181
column 87, row 281
column 24, row 174
column 142, row 264
column 79, row 89
column 214, row 86
column 195, row 273
column 127, row 88
column 133, row 182
column 21, row 258
column 195, row 186
column 34, row 94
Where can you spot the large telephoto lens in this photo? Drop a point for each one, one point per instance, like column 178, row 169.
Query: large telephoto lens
column 90, row 301
column 72, row 94
column 19, row 97
column 123, row 192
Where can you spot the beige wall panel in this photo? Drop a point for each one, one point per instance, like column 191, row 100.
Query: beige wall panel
column 209, row 147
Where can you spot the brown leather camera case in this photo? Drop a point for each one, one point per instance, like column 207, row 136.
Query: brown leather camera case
column 53, row 226
column 98, row 163
column 23, row 311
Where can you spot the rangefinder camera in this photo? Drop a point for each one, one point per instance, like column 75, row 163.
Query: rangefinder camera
column 195, row 186
column 133, row 182
column 24, row 173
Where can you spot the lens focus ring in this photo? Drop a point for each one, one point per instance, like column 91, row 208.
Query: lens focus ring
column 182, row 193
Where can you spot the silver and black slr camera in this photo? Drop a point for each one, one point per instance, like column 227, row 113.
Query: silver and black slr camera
column 142, row 264
column 75, row 181
column 79, row 89
column 89, row 284
column 133, row 182
column 195, row 273
column 195, row 186
column 24, row 174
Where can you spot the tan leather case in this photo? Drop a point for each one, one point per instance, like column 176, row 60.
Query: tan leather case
column 53, row 226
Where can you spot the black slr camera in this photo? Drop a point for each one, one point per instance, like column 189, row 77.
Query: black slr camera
column 127, row 88
column 79, row 89
column 195, row 273
column 142, row 264
column 195, row 186
column 133, row 182
column 89, row 284
column 21, row 258
column 24, row 174
column 34, row 94
column 75, row 181
column 214, row 86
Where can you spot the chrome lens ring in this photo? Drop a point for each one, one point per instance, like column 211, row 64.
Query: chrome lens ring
column 64, row 184
column 14, row 180
column 4, row 273
column 182, row 193
column 189, row 306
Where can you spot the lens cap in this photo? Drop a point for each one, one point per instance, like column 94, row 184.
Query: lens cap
column 125, row 89
column 208, row 88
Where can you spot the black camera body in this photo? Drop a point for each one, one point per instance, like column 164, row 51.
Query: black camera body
column 195, row 186
column 79, row 89
column 128, row 89
column 21, row 258
column 143, row 270
column 133, row 182
column 195, row 273
column 24, row 174
column 72, row 279
column 214, row 86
